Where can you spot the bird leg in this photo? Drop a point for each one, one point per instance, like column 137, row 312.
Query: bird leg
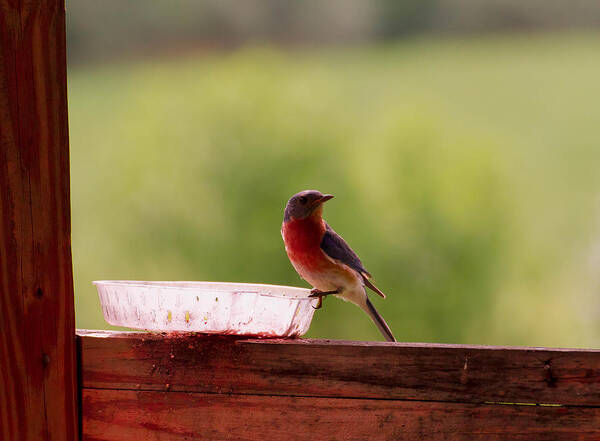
column 317, row 293
column 320, row 294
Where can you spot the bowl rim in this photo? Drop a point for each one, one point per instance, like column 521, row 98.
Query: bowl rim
column 294, row 292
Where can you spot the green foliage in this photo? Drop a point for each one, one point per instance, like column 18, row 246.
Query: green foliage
column 465, row 175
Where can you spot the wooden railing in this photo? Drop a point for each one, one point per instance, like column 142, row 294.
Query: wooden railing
column 138, row 386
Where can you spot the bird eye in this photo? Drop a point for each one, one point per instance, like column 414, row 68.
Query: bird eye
column 303, row 199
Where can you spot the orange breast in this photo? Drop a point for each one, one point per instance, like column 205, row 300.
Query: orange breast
column 303, row 246
column 302, row 239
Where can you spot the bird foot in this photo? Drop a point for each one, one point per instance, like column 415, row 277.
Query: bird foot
column 320, row 294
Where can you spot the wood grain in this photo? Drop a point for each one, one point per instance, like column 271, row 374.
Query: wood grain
column 38, row 394
column 321, row 368
column 176, row 416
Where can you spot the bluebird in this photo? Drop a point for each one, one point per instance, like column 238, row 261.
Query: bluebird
column 324, row 259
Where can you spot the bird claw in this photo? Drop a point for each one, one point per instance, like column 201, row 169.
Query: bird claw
column 317, row 293
column 319, row 304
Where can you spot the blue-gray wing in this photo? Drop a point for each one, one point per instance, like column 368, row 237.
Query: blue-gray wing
column 335, row 247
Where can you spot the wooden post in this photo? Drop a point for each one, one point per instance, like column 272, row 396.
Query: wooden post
column 38, row 377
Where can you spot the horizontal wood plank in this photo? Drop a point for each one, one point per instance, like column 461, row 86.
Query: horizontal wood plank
column 322, row 368
column 116, row 415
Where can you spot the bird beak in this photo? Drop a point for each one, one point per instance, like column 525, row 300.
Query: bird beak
column 323, row 198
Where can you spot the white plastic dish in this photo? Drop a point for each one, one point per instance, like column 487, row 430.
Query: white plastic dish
column 208, row 307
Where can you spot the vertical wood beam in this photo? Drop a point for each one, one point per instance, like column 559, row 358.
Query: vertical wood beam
column 38, row 377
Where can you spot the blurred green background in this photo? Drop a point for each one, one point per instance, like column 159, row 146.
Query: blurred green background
column 464, row 157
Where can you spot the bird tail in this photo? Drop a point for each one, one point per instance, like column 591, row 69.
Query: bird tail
column 379, row 321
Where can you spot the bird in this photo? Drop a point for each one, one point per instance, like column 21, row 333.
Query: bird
column 324, row 259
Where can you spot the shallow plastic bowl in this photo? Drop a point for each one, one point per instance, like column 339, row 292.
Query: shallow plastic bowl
column 209, row 307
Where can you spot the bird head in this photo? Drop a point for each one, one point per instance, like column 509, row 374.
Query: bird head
column 305, row 204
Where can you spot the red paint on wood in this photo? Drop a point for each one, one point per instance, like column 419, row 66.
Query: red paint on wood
column 37, row 339
column 110, row 415
column 320, row 368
